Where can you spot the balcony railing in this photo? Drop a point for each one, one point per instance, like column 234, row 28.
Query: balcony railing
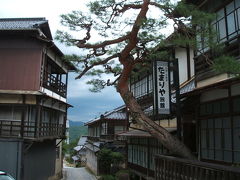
column 173, row 168
column 11, row 128
column 107, row 137
column 54, row 84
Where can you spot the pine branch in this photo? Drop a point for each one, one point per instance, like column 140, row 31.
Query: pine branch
column 87, row 68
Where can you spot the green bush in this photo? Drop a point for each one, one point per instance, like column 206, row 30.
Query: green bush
column 107, row 177
column 123, row 174
column 106, row 158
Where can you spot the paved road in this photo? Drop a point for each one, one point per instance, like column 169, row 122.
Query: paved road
column 71, row 173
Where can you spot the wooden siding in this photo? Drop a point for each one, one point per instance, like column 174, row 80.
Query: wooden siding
column 20, row 69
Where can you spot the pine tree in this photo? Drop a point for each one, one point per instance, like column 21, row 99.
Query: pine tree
column 127, row 34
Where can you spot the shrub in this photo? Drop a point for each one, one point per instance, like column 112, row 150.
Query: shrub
column 107, row 177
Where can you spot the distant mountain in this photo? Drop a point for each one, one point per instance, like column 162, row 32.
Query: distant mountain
column 75, row 132
column 75, row 123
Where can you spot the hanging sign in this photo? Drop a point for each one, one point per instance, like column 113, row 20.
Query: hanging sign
column 161, row 87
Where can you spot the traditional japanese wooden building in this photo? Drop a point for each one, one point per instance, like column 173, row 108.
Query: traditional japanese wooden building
column 142, row 147
column 218, row 94
column 102, row 133
column 33, row 99
column 214, row 105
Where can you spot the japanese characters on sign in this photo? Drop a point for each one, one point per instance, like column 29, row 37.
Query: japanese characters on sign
column 162, row 90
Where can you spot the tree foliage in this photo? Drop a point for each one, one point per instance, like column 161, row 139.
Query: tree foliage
column 105, row 32
column 107, row 157
column 118, row 36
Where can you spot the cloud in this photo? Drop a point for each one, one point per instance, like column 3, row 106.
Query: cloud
column 88, row 105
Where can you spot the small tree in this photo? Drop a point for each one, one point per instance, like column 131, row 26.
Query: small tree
column 107, row 158
column 127, row 34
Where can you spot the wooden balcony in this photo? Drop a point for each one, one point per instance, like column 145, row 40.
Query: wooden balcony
column 108, row 137
column 167, row 167
column 93, row 138
column 53, row 83
column 13, row 128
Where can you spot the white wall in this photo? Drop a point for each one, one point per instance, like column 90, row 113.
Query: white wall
column 181, row 55
column 92, row 162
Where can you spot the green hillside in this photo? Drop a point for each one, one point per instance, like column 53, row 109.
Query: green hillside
column 76, row 131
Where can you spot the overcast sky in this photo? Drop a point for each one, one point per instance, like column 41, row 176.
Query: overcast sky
column 87, row 105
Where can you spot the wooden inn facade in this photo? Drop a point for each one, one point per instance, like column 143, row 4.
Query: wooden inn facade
column 209, row 113
column 142, row 147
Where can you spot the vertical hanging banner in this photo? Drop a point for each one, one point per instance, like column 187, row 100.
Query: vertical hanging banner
column 161, row 76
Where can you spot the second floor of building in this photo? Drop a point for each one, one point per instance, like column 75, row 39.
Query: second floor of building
column 32, row 117
column 108, row 125
column 30, row 61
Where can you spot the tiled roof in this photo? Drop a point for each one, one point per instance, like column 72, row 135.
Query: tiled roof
column 82, row 141
column 21, row 23
column 135, row 133
column 114, row 114
column 140, row 133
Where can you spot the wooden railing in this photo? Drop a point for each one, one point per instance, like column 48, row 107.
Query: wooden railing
column 52, row 83
column 14, row 128
column 107, row 136
column 172, row 168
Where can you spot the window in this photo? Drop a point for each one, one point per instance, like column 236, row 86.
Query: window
column 220, row 131
column 118, row 129
column 11, row 113
column 142, row 87
column 104, row 129
column 141, row 151
column 226, row 26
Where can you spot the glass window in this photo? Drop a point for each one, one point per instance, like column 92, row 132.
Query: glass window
column 238, row 14
column 226, row 122
column 220, row 14
column 130, row 153
column 236, row 139
column 222, row 30
column 211, row 139
column 216, row 108
column 211, row 154
column 218, row 139
column 227, row 139
column 236, row 157
column 203, row 109
column 209, row 108
column 118, row 129
column 17, row 113
column 231, row 25
column 46, row 116
column 230, row 7
column 203, row 139
column 237, row 3
column 224, row 106
column 227, row 156
column 6, row 112
column 210, row 123
column 204, row 154
column 236, row 104
column 236, row 121
column 218, row 123
column 219, row 155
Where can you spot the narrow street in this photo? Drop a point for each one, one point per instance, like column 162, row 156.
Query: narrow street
column 70, row 173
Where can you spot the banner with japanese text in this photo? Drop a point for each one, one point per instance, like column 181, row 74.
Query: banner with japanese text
column 161, row 87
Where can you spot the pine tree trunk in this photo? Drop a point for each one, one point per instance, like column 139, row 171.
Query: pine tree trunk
column 172, row 143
